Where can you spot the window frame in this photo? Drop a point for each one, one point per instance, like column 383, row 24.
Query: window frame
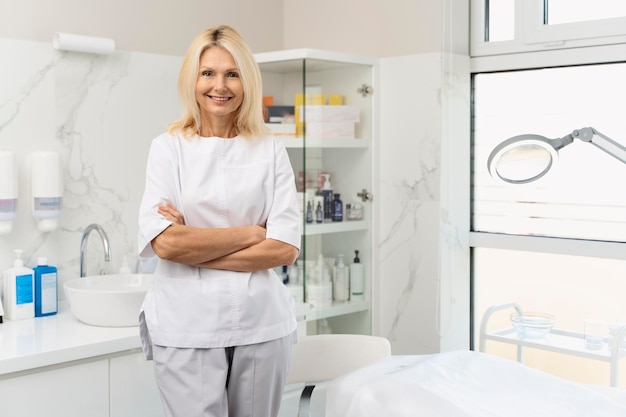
column 531, row 34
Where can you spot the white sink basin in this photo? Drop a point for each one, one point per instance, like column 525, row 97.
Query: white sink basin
column 108, row 300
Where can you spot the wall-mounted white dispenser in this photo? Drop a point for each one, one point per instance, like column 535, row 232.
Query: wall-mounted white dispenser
column 46, row 189
column 85, row 44
column 8, row 191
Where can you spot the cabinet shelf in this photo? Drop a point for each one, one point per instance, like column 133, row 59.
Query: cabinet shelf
column 337, row 309
column 299, row 143
column 311, row 229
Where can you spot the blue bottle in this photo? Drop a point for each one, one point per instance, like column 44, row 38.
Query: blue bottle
column 337, row 209
column 327, row 192
column 46, row 289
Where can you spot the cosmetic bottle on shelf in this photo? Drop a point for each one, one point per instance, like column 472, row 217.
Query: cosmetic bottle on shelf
column 357, row 279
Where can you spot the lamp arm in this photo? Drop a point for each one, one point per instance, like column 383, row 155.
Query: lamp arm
column 608, row 145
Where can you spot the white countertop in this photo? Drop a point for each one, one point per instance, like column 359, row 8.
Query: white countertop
column 33, row 343
column 42, row 341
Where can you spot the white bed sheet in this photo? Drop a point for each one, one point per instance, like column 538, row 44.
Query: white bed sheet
column 463, row 384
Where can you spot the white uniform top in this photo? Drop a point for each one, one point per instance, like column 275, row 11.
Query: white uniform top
column 217, row 183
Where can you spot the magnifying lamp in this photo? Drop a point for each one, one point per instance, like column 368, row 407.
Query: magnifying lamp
column 525, row 158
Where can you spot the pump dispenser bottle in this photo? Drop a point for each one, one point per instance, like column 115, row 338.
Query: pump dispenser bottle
column 19, row 290
column 357, row 279
column 341, row 281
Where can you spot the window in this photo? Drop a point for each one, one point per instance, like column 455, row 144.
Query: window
column 556, row 245
column 510, row 26
column 581, row 196
column 580, row 200
column 571, row 11
column 571, row 288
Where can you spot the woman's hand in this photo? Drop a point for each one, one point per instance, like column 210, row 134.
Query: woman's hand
column 171, row 213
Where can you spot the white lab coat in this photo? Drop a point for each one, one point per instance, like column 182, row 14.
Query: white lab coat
column 217, row 183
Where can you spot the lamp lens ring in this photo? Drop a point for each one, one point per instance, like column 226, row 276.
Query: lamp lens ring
column 522, row 161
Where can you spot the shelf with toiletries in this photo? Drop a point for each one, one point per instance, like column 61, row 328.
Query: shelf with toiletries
column 299, row 143
column 337, row 227
column 321, row 105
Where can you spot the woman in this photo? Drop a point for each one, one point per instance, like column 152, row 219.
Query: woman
column 220, row 212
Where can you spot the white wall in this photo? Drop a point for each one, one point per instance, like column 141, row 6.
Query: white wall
column 366, row 27
column 377, row 28
column 156, row 26
column 100, row 113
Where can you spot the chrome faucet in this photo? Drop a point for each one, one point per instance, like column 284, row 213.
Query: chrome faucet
column 83, row 244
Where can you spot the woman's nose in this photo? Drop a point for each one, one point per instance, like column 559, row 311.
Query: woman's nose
column 220, row 83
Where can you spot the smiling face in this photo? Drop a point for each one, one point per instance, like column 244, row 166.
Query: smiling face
column 219, row 90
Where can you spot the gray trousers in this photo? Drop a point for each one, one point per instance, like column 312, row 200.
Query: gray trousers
column 241, row 381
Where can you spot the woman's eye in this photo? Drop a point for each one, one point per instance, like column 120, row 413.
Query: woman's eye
column 206, row 73
column 233, row 75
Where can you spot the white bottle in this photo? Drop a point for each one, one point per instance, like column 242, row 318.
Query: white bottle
column 125, row 267
column 19, row 290
column 323, row 327
column 357, row 279
column 341, row 288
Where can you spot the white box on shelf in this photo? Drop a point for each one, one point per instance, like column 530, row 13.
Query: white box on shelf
column 329, row 114
column 282, row 129
column 343, row 130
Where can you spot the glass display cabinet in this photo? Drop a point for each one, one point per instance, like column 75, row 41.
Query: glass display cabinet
column 322, row 106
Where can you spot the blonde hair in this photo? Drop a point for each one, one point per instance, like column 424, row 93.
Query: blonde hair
column 249, row 121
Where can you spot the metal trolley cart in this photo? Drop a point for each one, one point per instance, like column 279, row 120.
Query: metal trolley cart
column 561, row 341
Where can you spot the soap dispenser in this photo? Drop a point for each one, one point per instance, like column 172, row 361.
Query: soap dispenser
column 19, row 290
column 8, row 191
column 46, row 189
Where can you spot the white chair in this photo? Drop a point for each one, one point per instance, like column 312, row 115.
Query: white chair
column 325, row 357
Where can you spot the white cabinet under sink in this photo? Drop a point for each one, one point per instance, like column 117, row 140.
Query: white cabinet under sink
column 133, row 389
column 71, row 391
column 119, row 386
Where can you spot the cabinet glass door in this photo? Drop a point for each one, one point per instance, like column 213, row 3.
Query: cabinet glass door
column 321, row 106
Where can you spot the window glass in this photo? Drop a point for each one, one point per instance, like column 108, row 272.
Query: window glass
column 570, row 288
column 570, row 11
column 500, row 20
column 500, row 27
column 582, row 194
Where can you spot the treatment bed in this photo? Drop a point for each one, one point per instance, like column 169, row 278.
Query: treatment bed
column 465, row 384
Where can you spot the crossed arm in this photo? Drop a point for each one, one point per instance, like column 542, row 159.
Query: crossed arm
column 242, row 248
